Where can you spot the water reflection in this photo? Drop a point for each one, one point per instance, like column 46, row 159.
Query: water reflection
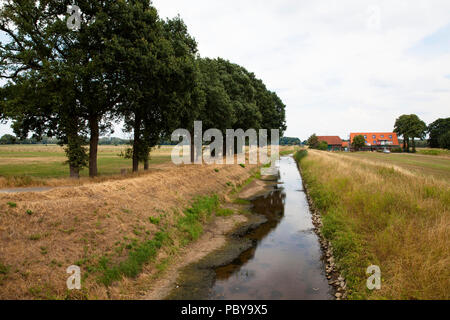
column 285, row 263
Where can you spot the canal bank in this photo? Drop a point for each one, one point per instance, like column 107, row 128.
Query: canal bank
column 275, row 255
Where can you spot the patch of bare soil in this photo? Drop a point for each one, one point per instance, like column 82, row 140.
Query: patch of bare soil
column 214, row 238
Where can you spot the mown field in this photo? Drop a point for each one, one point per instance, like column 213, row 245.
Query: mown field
column 390, row 210
column 437, row 166
column 26, row 165
column 45, row 165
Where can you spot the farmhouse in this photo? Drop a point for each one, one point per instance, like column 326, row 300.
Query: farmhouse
column 334, row 142
column 377, row 140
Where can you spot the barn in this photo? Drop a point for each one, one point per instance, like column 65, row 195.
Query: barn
column 334, row 142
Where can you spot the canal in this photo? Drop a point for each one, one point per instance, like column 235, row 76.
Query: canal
column 286, row 262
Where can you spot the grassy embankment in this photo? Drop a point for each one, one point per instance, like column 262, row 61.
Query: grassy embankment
column 385, row 210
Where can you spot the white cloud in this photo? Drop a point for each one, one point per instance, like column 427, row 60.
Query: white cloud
column 336, row 70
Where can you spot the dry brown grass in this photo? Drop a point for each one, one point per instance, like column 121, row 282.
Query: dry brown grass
column 377, row 213
column 86, row 222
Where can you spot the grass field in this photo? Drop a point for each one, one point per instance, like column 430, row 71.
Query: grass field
column 27, row 165
column 388, row 210
column 41, row 165
column 420, row 164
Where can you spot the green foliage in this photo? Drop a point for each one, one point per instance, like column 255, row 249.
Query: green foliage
column 358, row 142
column 8, row 139
column 138, row 256
column 288, row 141
column 4, row 269
column 29, row 212
column 410, row 127
column 444, row 140
column 241, row 201
column 129, row 65
column 323, row 145
column 242, row 165
column 191, row 222
column 224, row 212
column 313, row 141
column 437, row 130
column 155, row 220
column 299, row 155
column 12, row 204
column 397, row 150
column 35, row 237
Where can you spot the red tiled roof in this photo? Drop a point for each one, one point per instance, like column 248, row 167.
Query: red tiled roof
column 379, row 136
column 331, row 140
column 344, row 144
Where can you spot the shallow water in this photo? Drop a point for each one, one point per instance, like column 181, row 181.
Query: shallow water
column 286, row 263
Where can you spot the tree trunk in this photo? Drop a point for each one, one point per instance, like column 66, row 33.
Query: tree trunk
column 74, row 172
column 146, row 165
column 192, row 149
column 404, row 143
column 407, row 145
column 74, row 151
column 136, row 143
column 93, row 147
column 413, row 145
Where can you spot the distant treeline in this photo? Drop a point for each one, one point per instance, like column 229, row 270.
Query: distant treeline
column 288, row 141
column 110, row 141
column 10, row 139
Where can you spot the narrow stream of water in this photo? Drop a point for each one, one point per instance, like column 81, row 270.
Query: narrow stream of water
column 286, row 263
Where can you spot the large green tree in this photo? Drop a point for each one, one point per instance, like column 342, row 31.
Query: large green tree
column 416, row 128
column 401, row 128
column 42, row 52
column 37, row 60
column 436, row 130
column 158, row 76
column 358, row 142
column 313, row 141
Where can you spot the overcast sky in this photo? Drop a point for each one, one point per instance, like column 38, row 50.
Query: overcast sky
column 339, row 66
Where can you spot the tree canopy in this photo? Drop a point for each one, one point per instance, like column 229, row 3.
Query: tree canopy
column 410, row 127
column 358, row 142
column 439, row 131
column 125, row 64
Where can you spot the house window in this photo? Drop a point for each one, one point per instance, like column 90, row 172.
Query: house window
column 374, row 141
column 382, row 136
column 374, row 137
column 390, row 137
column 365, row 137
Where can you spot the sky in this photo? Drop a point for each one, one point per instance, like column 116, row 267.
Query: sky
column 339, row 66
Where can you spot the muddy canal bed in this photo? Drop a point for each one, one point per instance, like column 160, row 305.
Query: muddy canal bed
column 286, row 262
column 276, row 256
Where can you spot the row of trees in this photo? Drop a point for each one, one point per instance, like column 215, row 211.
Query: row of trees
column 289, row 141
column 411, row 127
column 11, row 139
column 124, row 64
